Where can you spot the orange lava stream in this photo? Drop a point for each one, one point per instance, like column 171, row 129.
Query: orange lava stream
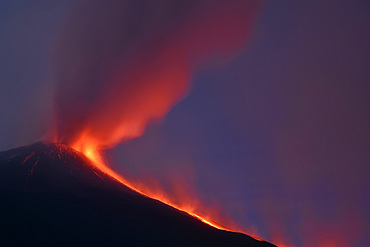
column 98, row 161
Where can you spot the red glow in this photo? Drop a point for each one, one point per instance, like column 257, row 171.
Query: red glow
column 137, row 91
column 90, row 151
column 320, row 231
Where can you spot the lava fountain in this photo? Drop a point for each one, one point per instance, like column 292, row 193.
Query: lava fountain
column 121, row 65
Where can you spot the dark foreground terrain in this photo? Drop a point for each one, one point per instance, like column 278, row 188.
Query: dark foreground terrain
column 50, row 195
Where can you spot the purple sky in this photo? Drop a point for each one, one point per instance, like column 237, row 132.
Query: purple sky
column 278, row 137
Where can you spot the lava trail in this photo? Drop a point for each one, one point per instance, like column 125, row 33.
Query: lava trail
column 124, row 66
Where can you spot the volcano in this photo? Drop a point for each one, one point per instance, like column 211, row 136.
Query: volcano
column 52, row 195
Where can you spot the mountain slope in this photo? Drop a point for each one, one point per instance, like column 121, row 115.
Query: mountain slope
column 52, row 196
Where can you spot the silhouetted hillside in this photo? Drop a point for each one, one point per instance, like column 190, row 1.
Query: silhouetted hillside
column 52, row 196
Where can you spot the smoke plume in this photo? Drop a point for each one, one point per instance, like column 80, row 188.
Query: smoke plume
column 121, row 65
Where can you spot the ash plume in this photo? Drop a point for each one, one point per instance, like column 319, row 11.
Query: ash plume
column 120, row 65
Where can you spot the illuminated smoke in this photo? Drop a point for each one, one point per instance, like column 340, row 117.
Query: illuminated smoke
column 121, row 65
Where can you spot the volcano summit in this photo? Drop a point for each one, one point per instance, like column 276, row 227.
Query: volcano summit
column 53, row 196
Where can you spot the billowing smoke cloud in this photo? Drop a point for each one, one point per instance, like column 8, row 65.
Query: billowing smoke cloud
column 120, row 65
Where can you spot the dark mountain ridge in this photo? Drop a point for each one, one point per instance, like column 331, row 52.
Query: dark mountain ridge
column 51, row 195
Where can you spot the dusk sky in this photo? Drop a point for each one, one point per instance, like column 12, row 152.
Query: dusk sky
column 275, row 136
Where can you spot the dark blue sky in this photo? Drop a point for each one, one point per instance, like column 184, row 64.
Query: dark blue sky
column 278, row 137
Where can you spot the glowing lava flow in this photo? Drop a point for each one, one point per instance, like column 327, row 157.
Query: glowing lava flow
column 150, row 72
column 91, row 152
column 123, row 80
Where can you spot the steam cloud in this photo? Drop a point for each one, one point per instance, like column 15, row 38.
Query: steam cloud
column 120, row 65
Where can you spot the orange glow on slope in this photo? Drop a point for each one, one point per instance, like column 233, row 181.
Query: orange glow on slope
column 93, row 154
column 110, row 99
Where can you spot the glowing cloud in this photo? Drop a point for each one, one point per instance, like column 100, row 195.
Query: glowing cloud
column 121, row 65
